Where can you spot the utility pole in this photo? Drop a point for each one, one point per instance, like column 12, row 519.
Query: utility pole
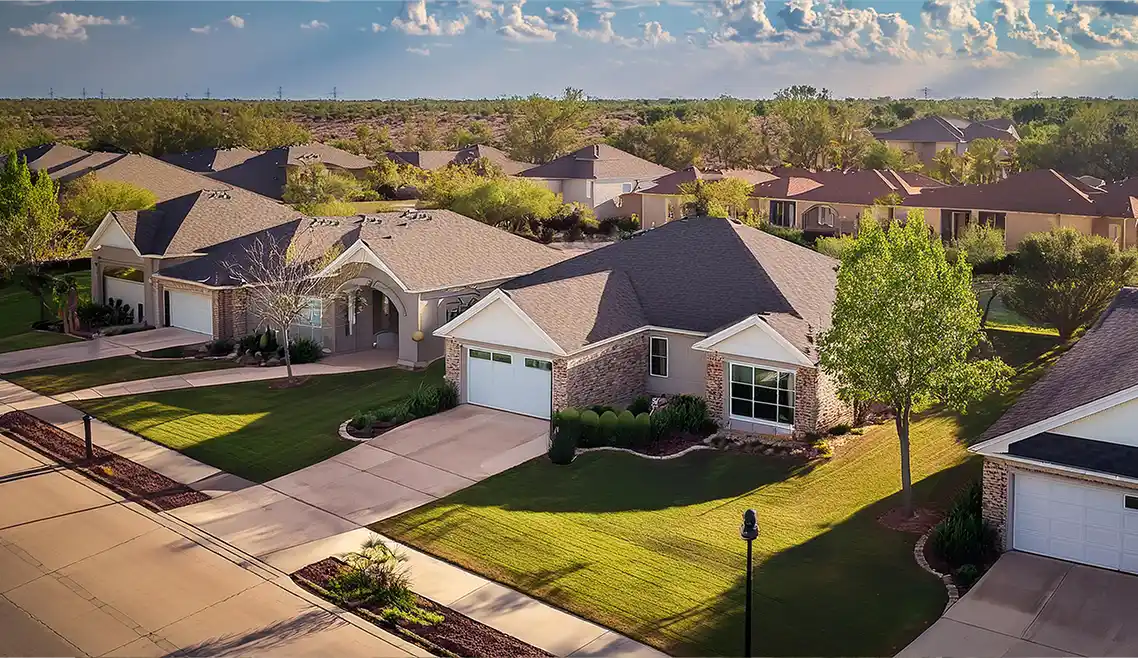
column 333, row 93
column 1035, row 94
column 101, row 97
column 207, row 93
column 51, row 93
column 925, row 91
column 84, row 93
column 280, row 93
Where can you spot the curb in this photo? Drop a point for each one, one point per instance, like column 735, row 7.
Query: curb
column 344, row 433
column 919, row 554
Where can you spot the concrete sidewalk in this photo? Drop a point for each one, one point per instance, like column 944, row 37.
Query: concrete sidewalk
column 331, row 365
column 98, row 348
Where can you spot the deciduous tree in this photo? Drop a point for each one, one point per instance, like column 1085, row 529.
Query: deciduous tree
column 727, row 197
column 87, row 200
column 905, row 323
column 542, row 129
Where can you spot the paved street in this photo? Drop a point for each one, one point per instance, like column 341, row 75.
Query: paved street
column 83, row 573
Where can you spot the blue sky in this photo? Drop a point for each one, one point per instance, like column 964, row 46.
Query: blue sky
column 609, row 48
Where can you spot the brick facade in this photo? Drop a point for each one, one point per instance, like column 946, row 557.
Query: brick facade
column 613, row 374
column 715, row 383
column 452, row 355
column 229, row 317
column 830, row 410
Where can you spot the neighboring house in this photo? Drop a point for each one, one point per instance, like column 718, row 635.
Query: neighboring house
column 1034, row 202
column 661, row 200
column 596, row 176
column 703, row 306
column 401, row 274
column 431, row 160
column 50, row 157
column 266, row 172
column 831, row 202
column 1061, row 466
column 928, row 136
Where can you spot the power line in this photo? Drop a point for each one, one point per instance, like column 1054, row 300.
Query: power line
column 1035, row 94
column 207, row 93
column 51, row 93
column 925, row 91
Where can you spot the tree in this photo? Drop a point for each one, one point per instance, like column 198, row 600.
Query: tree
column 312, row 183
column 904, row 325
column 668, row 142
column 20, row 132
column 1065, row 279
column 370, row 143
column 15, row 185
column 725, row 132
column 278, row 277
column 880, row 155
column 849, row 137
column 542, row 129
column 810, row 127
column 87, row 200
column 513, row 204
column 981, row 244
column 985, row 161
column 726, row 197
column 479, row 132
column 948, row 167
column 422, row 135
column 258, row 132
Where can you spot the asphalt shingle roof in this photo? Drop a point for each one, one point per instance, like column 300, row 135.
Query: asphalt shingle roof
column 950, row 129
column 431, row 160
column 598, row 162
column 670, row 183
column 1041, row 191
column 698, row 274
column 859, row 187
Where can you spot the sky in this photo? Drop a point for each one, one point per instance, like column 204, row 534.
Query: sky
column 608, row 48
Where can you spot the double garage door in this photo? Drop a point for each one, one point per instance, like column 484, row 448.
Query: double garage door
column 1070, row 520
column 189, row 311
column 508, row 381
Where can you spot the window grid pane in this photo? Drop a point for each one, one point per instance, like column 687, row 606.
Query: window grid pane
column 761, row 394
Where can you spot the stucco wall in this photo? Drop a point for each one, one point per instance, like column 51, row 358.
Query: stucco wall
column 687, row 368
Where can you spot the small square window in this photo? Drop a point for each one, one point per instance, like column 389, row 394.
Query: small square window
column 502, row 358
column 1132, row 502
column 479, row 354
column 538, row 364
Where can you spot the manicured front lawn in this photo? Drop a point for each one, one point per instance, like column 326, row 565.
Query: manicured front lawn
column 652, row 549
column 253, row 430
column 75, row 376
column 1002, row 317
column 19, row 309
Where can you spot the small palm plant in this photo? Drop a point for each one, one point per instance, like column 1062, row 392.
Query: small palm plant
column 375, row 577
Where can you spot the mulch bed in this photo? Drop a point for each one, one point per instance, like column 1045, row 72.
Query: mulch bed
column 123, row 476
column 918, row 522
column 671, row 444
column 456, row 635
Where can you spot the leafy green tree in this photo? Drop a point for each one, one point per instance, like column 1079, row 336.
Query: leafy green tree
column 312, row 183
column 948, row 167
column 513, row 204
column 810, row 127
column 369, row 142
column 17, row 132
column 422, row 134
column 479, row 132
column 985, row 161
column 668, row 142
column 725, row 132
column 1036, row 148
column 542, row 129
column 87, row 200
column 15, row 185
column 1065, row 279
column 905, row 323
column 726, row 197
column 880, row 155
column 981, row 244
column 261, row 133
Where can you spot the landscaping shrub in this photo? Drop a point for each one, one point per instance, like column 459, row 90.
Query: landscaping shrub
column 981, row 244
column 642, row 430
column 375, row 576
column 422, row 402
column 590, row 429
column 361, row 421
column 967, row 575
column 448, row 395
column 566, row 435
column 94, row 315
column 825, row 450
column 840, row 429
column 789, row 234
column 220, row 346
column 303, row 350
column 642, row 404
column 260, row 341
column 390, row 414
column 600, row 409
column 608, row 428
column 833, row 247
column 625, row 429
column 963, row 537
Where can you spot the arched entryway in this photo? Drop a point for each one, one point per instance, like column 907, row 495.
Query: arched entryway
column 373, row 312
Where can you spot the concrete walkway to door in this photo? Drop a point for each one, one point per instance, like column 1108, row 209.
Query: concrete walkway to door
column 1027, row 605
column 98, row 348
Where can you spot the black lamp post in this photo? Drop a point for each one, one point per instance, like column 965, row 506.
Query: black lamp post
column 749, row 531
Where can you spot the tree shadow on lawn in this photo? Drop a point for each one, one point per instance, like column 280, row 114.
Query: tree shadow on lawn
column 854, row 590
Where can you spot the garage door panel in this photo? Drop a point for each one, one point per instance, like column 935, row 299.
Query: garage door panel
column 1101, row 557
column 1129, row 563
column 503, row 380
column 190, row 311
column 1111, row 539
column 1107, row 520
column 1067, row 530
column 1102, row 499
column 1031, row 486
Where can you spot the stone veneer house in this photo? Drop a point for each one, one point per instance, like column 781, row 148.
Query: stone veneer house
column 702, row 306
column 1061, row 466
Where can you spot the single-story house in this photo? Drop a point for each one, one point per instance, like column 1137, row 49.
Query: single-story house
column 1034, row 202
column 1061, row 466
column 702, row 306
column 431, row 160
column 401, row 276
column 661, row 200
column 597, row 176
column 266, row 172
column 932, row 134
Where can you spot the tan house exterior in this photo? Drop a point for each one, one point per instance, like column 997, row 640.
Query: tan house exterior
column 596, row 176
column 930, row 135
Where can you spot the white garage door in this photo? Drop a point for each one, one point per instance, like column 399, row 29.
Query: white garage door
column 511, row 382
column 130, row 292
column 190, row 311
column 1060, row 518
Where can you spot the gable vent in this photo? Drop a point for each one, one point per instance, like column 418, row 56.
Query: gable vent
column 218, row 194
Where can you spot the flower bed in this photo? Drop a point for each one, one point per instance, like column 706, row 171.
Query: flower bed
column 455, row 635
column 422, row 402
column 123, row 476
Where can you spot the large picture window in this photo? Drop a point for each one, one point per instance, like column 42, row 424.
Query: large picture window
column 658, row 356
column 782, row 213
column 310, row 322
column 761, row 394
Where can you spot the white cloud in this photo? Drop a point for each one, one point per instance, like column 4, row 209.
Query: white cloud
column 1021, row 28
column 567, row 20
column 314, row 25
column 425, row 52
column 978, row 38
column 1099, row 25
column 376, row 27
column 205, row 29
column 417, row 22
column 655, row 34
column 517, row 26
column 67, row 26
column 236, row 21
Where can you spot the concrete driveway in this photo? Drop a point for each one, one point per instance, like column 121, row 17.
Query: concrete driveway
column 98, row 348
column 407, row 467
column 83, row 573
column 1028, row 605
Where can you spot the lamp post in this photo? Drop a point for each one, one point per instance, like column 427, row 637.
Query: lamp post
column 749, row 531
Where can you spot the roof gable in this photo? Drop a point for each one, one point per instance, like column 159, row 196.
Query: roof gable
column 752, row 338
column 496, row 320
column 598, row 162
column 110, row 234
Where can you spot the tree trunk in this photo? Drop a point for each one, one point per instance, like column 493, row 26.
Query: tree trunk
column 287, row 355
column 988, row 307
column 906, row 477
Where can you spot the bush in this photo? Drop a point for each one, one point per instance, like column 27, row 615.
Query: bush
column 642, row 430
column 963, row 537
column 839, row 429
column 640, row 405
column 361, row 421
column 566, row 435
column 981, row 244
column 600, row 409
column 789, row 234
column 825, row 450
column 608, row 428
column 94, row 315
column 375, row 576
column 422, row 402
column 261, row 341
column 590, row 429
column 448, row 395
column 833, row 247
column 625, row 434
column 304, row 350
column 967, row 575
column 220, row 346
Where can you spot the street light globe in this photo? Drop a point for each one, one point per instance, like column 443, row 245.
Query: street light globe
column 750, row 528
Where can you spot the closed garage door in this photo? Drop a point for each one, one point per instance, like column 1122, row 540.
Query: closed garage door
column 130, row 292
column 511, row 382
column 1073, row 521
column 189, row 311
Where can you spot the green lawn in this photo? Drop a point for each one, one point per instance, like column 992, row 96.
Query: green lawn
column 18, row 310
column 61, row 379
column 1002, row 317
column 255, row 431
column 652, row 550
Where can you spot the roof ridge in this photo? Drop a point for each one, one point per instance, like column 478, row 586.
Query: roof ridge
column 1086, row 197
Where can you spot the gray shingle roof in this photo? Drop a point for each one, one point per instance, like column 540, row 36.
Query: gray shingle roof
column 1040, row 191
column 670, row 183
column 49, row 157
column 1103, row 362
column 697, row 274
column 598, row 162
column 426, row 250
column 431, row 160
column 950, row 129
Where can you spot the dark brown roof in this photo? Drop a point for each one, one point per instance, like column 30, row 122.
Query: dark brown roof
column 697, row 274
column 431, row 160
column 857, row 187
column 425, row 249
column 599, row 162
column 208, row 161
column 670, row 183
column 1103, row 362
column 1040, row 191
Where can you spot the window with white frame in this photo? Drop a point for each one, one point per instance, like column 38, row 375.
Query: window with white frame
column 821, row 216
column 782, row 213
column 761, row 394
column 658, row 356
column 310, row 322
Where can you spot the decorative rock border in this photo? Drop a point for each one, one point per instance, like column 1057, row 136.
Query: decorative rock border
column 919, row 554
column 139, row 356
column 689, row 449
column 345, row 435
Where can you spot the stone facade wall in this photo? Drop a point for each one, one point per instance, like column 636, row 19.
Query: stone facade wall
column 613, row 374
column 816, row 404
column 230, row 319
column 832, row 410
column 805, row 402
column 715, row 383
column 995, row 497
column 453, row 356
